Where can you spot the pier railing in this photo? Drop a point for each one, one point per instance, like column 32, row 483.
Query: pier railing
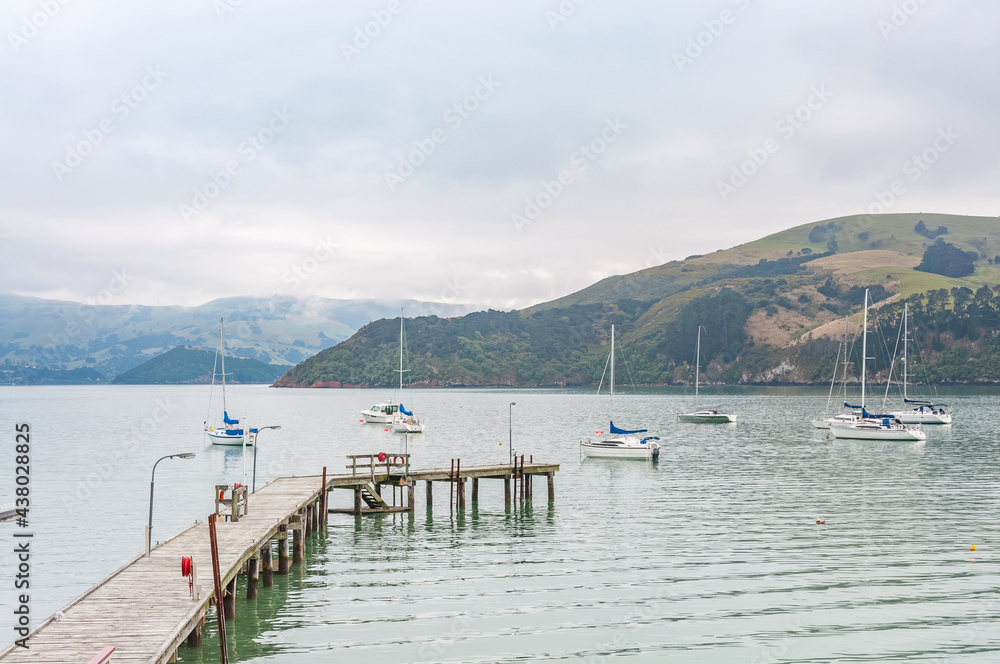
column 382, row 462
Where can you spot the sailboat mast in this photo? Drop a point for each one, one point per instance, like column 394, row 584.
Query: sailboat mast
column 864, row 355
column 906, row 332
column 612, row 370
column 697, row 368
column 401, row 353
column 222, row 352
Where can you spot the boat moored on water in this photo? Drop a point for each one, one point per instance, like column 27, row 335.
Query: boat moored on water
column 706, row 415
column 406, row 422
column 621, row 443
column 380, row 413
column 920, row 411
column 230, row 432
column 923, row 412
column 868, row 426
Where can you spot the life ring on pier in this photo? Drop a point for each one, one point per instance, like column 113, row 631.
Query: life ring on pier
column 382, row 456
column 186, row 566
column 398, row 461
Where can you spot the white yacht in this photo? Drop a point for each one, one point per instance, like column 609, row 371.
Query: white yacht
column 619, row 443
column 708, row 414
column 920, row 411
column 229, row 432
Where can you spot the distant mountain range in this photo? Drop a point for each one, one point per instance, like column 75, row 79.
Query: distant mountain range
column 773, row 312
column 49, row 341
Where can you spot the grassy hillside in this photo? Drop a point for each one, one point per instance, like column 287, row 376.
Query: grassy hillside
column 772, row 310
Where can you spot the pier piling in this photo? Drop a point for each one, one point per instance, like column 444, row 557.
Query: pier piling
column 283, row 549
column 267, row 567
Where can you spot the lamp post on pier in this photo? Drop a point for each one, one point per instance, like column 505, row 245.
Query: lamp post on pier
column 152, row 478
column 253, row 486
column 510, row 431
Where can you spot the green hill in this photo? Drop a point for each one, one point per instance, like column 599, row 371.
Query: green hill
column 184, row 364
column 773, row 311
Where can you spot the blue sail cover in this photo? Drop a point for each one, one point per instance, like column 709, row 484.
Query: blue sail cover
column 623, row 432
column 404, row 411
column 227, row 419
column 922, row 402
column 864, row 413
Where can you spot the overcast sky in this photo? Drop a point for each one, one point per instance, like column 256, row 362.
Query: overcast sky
column 495, row 153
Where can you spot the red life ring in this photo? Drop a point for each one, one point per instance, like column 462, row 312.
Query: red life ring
column 382, row 456
column 186, row 566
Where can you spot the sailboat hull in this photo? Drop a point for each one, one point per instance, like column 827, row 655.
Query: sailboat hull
column 914, row 417
column 408, row 426
column 220, row 437
column 620, row 449
column 706, row 418
column 876, row 432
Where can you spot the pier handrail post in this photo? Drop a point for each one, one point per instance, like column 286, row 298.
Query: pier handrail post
column 152, row 480
column 322, row 501
column 220, row 612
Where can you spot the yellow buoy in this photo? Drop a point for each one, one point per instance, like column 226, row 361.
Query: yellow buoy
column 973, row 548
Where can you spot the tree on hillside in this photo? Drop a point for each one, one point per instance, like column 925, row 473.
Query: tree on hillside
column 921, row 228
column 724, row 315
column 946, row 259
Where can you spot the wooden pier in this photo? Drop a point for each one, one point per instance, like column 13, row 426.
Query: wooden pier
column 145, row 611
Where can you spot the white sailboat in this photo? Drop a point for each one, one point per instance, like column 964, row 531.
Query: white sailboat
column 404, row 421
column 621, row 443
column 921, row 411
column 707, row 415
column 230, row 432
column 827, row 419
column 864, row 425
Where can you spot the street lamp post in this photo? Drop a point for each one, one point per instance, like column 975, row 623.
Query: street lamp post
column 253, row 486
column 510, row 430
column 152, row 478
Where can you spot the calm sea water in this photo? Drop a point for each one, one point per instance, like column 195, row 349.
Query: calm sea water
column 710, row 555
